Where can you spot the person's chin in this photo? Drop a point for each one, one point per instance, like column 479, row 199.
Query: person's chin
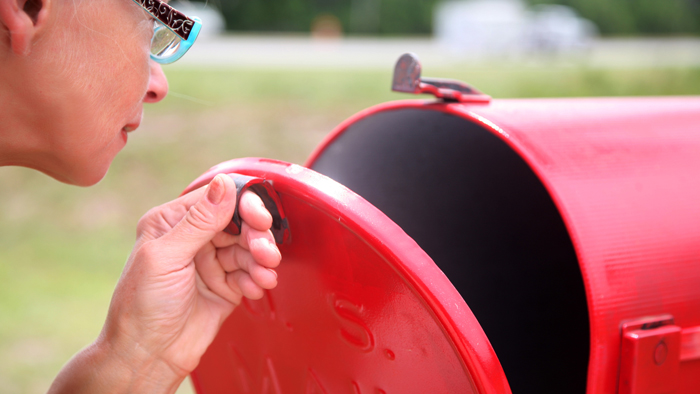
column 84, row 178
column 76, row 178
column 90, row 180
column 94, row 170
column 86, row 174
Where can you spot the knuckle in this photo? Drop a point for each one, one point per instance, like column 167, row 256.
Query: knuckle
column 146, row 220
column 200, row 218
column 254, row 293
column 232, row 281
column 244, row 259
column 227, row 257
column 148, row 253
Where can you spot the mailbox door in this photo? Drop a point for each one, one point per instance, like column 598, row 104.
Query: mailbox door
column 360, row 307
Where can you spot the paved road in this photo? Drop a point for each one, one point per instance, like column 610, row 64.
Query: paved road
column 277, row 51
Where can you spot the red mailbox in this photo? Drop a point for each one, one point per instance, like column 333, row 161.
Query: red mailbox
column 473, row 246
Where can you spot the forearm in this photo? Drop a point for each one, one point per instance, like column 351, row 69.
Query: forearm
column 101, row 368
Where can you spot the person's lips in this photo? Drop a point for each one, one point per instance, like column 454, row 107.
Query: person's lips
column 128, row 129
column 131, row 126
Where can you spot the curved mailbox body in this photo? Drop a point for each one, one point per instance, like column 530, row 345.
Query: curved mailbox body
column 571, row 228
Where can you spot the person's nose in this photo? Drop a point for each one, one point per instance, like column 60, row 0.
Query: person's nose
column 157, row 84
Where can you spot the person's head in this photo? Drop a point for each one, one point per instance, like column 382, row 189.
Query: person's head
column 74, row 75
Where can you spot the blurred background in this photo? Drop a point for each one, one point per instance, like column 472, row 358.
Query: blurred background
column 271, row 78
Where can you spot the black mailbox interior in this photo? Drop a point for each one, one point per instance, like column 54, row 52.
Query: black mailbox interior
column 475, row 206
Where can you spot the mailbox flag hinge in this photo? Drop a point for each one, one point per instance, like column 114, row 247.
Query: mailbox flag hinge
column 652, row 350
column 407, row 79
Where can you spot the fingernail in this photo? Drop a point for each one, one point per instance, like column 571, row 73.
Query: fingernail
column 273, row 271
column 266, row 243
column 215, row 194
column 275, row 248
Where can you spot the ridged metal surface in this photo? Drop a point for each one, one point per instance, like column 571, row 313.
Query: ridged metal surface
column 625, row 175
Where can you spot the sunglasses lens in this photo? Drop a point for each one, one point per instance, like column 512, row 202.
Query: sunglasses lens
column 165, row 43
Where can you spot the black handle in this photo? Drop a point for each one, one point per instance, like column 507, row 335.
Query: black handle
column 263, row 188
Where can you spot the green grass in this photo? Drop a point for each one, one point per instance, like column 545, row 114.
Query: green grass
column 62, row 248
column 331, row 89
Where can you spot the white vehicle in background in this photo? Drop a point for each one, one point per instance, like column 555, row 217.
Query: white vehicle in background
column 558, row 28
column 509, row 27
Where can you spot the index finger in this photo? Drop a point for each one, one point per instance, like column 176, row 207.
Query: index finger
column 253, row 212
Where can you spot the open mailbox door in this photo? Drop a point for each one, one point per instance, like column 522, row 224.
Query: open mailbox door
column 360, row 307
column 555, row 242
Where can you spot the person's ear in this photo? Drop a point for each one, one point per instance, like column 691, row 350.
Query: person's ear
column 22, row 20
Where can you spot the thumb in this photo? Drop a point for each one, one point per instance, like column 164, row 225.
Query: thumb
column 206, row 218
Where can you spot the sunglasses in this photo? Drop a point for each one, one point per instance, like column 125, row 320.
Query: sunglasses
column 173, row 32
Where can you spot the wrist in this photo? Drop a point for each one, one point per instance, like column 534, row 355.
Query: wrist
column 140, row 371
column 104, row 368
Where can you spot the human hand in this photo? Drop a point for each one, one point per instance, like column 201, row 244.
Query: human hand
column 184, row 277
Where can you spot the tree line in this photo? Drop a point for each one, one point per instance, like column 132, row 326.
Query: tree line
column 638, row 17
column 414, row 17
